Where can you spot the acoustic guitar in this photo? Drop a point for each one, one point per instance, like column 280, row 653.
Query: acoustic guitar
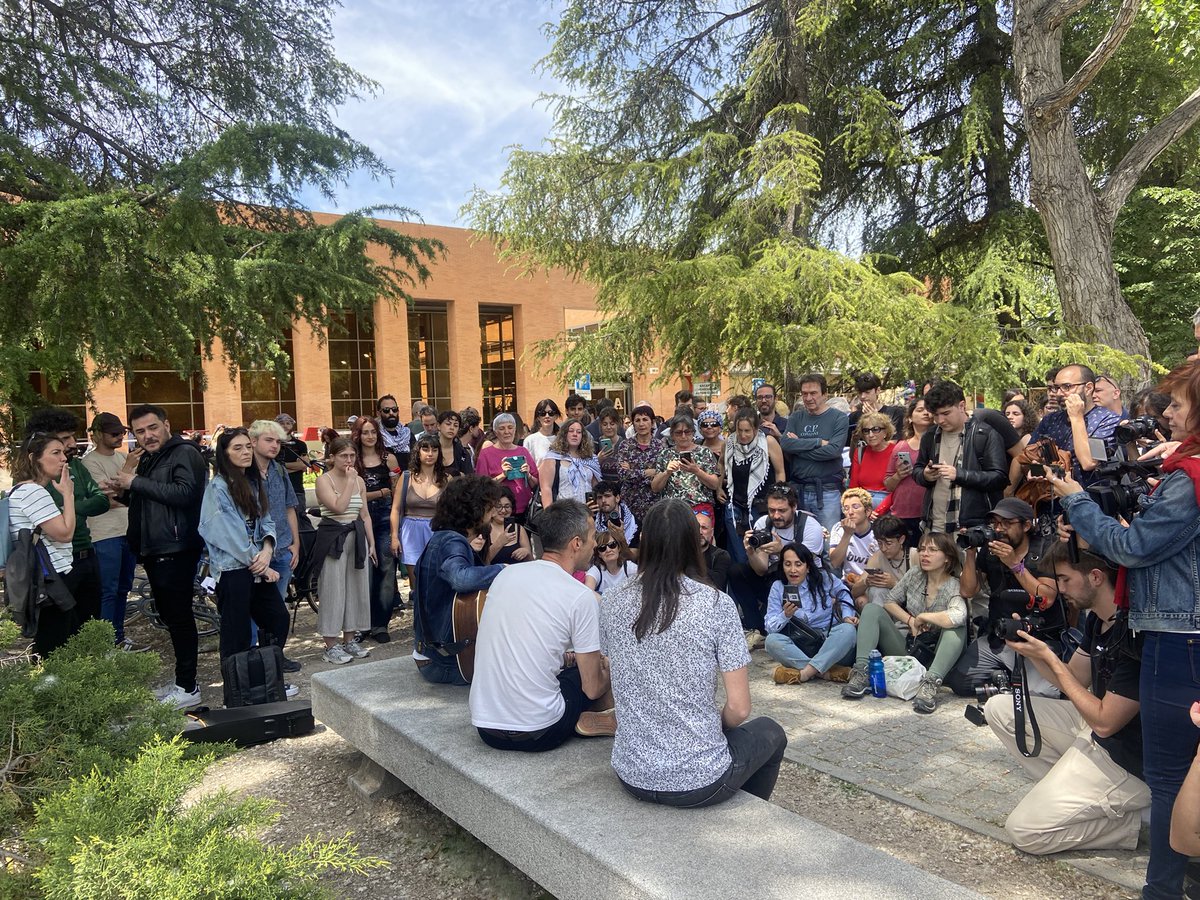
column 468, row 608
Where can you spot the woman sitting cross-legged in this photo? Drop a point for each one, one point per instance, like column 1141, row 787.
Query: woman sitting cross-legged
column 926, row 600
column 668, row 634
column 808, row 594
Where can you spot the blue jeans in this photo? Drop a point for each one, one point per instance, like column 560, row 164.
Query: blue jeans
column 838, row 649
column 825, row 505
column 1170, row 684
column 733, row 540
column 756, row 748
column 282, row 563
column 116, row 580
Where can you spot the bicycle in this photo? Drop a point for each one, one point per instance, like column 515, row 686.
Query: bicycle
column 204, row 606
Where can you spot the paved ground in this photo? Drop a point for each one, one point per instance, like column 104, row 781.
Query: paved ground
column 940, row 764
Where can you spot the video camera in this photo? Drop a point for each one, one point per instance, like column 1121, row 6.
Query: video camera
column 1122, row 485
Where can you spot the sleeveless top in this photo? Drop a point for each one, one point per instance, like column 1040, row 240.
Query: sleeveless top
column 416, row 505
column 376, row 478
column 352, row 511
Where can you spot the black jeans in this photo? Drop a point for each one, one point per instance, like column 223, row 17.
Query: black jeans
column 84, row 583
column 240, row 598
column 571, row 685
column 757, row 749
column 172, row 582
column 750, row 590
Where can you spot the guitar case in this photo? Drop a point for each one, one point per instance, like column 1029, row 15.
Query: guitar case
column 246, row 726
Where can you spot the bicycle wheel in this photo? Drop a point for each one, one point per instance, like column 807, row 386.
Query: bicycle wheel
column 208, row 619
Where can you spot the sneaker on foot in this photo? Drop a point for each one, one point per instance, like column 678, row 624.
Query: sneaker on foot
column 292, row 666
column 380, row 635
column 181, row 699
column 755, row 639
column 355, row 649
column 597, row 724
column 926, row 699
column 336, row 655
column 786, row 675
column 858, row 686
column 290, row 690
column 129, row 646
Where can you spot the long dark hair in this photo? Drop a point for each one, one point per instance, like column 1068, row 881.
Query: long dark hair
column 439, row 467
column 356, row 438
column 245, row 487
column 670, row 549
column 815, row 577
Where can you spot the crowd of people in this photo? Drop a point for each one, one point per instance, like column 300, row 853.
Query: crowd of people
column 658, row 552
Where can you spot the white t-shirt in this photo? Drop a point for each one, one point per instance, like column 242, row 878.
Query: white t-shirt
column 606, row 581
column 812, row 538
column 29, row 505
column 535, row 612
column 115, row 522
column 538, row 444
column 858, row 552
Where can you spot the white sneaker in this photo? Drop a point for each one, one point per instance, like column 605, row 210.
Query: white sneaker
column 290, row 690
column 129, row 646
column 336, row 655
column 181, row 699
column 355, row 649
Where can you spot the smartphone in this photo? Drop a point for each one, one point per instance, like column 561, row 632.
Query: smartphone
column 904, row 455
column 791, row 593
column 872, row 571
column 1037, row 470
column 510, row 523
column 589, row 497
column 686, row 456
column 605, row 443
column 514, row 471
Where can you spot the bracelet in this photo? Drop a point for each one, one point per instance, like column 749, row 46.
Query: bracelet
column 1018, row 568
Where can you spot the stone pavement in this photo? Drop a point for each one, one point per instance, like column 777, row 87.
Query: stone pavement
column 940, row 764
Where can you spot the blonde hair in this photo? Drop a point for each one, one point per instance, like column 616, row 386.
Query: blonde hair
column 859, row 494
column 868, row 420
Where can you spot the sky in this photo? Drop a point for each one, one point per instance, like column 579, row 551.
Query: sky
column 457, row 87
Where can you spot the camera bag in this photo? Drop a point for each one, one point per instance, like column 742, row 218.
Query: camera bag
column 254, row 676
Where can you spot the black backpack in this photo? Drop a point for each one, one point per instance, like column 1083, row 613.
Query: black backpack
column 254, row 676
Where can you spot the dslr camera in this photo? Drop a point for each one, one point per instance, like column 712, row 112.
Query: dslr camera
column 758, row 538
column 1137, row 428
column 1006, row 629
column 998, row 684
column 977, row 537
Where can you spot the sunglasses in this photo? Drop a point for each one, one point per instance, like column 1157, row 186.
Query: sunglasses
column 611, row 545
column 874, row 429
column 389, row 409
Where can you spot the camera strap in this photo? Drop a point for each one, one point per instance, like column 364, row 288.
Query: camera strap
column 1022, row 707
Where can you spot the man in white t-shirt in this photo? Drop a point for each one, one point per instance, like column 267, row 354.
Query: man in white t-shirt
column 538, row 665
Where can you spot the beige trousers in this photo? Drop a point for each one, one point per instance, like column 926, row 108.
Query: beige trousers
column 1083, row 800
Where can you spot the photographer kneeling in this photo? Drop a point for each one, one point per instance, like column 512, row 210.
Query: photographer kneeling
column 1160, row 547
column 1010, row 561
column 1089, row 792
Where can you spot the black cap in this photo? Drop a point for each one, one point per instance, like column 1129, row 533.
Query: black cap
column 108, row 423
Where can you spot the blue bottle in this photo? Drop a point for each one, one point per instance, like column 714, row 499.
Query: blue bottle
column 876, row 676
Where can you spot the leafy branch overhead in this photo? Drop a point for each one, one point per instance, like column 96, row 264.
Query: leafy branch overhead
column 151, row 160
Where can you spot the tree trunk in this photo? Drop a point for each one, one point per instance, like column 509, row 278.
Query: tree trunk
column 1077, row 228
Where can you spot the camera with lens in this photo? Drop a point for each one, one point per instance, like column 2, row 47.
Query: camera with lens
column 1122, row 486
column 1136, row 429
column 759, row 538
column 998, row 684
column 1006, row 629
column 614, row 517
column 978, row 536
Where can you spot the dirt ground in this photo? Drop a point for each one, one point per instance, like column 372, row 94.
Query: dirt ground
column 429, row 856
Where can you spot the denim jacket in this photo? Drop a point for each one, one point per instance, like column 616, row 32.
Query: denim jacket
column 223, row 528
column 1160, row 548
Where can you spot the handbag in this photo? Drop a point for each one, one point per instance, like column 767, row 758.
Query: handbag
column 807, row 639
column 535, row 502
column 923, row 646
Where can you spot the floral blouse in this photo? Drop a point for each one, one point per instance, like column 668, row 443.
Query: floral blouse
column 635, row 486
column 685, row 485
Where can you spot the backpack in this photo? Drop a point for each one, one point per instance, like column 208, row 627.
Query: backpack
column 6, row 541
column 254, row 676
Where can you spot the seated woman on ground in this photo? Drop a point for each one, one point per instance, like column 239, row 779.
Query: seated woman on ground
column 927, row 601
column 888, row 564
column 674, row 745
column 613, row 562
column 806, row 593
column 851, row 541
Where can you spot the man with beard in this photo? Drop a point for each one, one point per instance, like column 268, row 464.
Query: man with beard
column 717, row 560
column 770, row 422
column 1080, row 426
column 1010, row 562
column 84, row 578
column 1090, row 792
column 396, row 437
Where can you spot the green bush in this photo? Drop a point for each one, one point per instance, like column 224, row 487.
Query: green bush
column 129, row 835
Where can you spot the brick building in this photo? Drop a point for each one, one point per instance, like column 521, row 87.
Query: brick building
column 461, row 343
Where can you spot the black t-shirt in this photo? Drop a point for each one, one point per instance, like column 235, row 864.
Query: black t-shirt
column 1115, row 657
column 1000, row 577
column 293, row 450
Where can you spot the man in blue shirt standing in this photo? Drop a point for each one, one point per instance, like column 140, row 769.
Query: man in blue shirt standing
column 1080, row 426
column 813, row 446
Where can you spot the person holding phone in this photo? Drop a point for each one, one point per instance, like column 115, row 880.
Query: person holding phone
column 806, row 593
column 887, row 565
column 570, row 468
column 510, row 465
column 908, row 494
column 870, row 454
column 686, row 470
column 609, row 427
column 507, row 540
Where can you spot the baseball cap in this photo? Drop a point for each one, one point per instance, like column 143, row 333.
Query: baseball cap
column 1013, row 508
column 107, row 423
column 285, row 420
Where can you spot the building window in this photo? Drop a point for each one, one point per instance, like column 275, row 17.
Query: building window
column 263, row 397
column 65, row 396
column 498, row 349
column 154, row 381
column 352, row 367
column 429, row 354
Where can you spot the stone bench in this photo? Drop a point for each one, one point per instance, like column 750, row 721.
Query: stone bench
column 563, row 818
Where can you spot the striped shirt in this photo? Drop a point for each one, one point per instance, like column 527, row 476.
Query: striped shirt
column 29, row 506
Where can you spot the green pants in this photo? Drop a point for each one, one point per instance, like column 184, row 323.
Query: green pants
column 877, row 631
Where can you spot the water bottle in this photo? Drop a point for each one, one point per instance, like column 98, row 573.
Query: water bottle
column 876, row 676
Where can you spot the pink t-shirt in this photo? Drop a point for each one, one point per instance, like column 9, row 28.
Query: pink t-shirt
column 908, row 499
column 488, row 464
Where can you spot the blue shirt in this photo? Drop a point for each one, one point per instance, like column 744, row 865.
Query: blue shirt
column 281, row 497
column 807, row 458
column 1099, row 422
column 818, row 614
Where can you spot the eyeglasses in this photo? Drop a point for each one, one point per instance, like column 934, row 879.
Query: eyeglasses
column 874, row 429
column 389, row 409
column 611, row 545
column 682, row 431
column 1064, row 388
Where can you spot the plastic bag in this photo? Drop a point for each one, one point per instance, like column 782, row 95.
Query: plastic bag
column 903, row 675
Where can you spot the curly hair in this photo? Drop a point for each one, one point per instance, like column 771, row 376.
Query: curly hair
column 464, row 503
column 1029, row 414
column 862, row 494
column 439, row 465
column 870, row 420
column 559, row 445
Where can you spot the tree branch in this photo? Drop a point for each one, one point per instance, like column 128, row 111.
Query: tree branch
column 1054, row 13
column 1054, row 102
column 1130, row 169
